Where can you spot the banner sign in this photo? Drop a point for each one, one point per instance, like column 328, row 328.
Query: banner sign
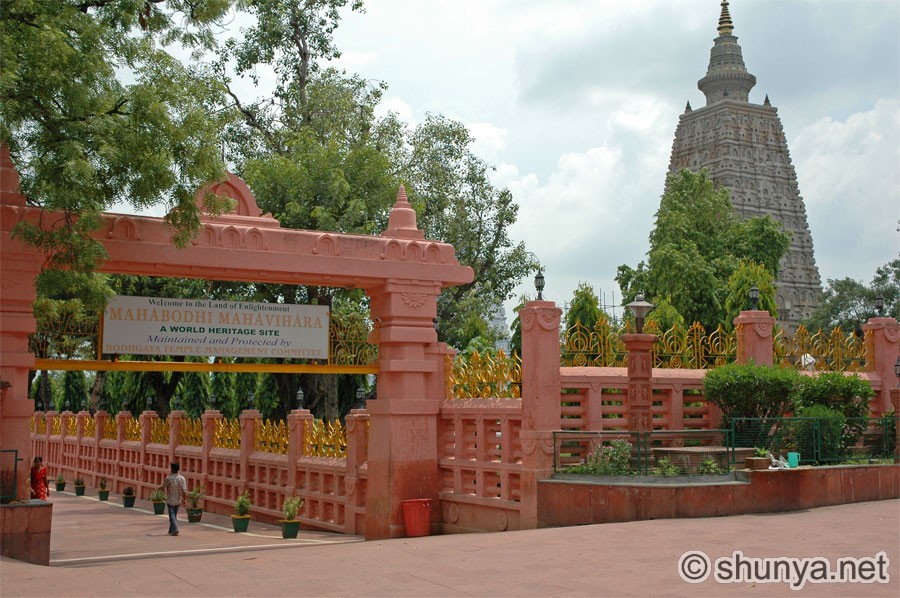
column 151, row 326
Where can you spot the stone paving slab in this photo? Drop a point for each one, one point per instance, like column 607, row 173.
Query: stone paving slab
column 104, row 550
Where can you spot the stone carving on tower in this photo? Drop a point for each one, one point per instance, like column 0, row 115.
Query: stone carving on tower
column 743, row 147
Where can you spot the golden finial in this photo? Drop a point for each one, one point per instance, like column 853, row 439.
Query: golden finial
column 725, row 24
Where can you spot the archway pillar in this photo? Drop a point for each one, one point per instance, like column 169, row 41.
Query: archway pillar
column 403, row 459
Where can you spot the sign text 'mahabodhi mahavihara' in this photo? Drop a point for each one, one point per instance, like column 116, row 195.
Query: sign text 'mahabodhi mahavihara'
column 202, row 327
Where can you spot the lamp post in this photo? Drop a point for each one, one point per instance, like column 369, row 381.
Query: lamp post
column 539, row 285
column 897, row 371
column 640, row 308
column 299, row 398
column 754, row 297
column 879, row 305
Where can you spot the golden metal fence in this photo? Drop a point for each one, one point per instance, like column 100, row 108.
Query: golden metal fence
column 492, row 375
column 271, row 437
column 159, row 431
column 57, row 426
column 834, row 351
column 192, row 432
column 227, row 434
column 692, row 348
column 599, row 346
column 324, row 439
column 110, row 429
column 71, row 427
column 90, row 427
column 133, row 429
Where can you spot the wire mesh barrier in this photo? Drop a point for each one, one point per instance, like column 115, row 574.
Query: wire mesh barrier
column 656, row 453
column 819, row 440
column 9, row 463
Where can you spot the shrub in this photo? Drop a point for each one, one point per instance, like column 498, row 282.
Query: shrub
column 242, row 504
column 194, row 496
column 103, row 483
column 847, row 395
column 291, row 507
column 828, row 425
column 888, row 440
column 762, row 394
column 709, row 467
column 128, row 491
column 79, row 481
column 60, row 479
column 158, row 496
column 665, row 467
column 610, row 459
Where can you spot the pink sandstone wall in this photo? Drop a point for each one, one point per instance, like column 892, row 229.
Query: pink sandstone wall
column 566, row 502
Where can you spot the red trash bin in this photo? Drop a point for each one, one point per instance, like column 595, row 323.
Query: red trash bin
column 417, row 517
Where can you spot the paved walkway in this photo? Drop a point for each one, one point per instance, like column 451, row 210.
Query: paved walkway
column 102, row 549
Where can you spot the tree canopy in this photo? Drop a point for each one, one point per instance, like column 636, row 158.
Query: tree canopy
column 696, row 245
column 848, row 303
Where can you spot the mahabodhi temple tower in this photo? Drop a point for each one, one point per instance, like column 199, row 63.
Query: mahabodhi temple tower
column 742, row 145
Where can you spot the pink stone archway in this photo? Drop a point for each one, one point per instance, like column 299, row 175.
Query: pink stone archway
column 400, row 270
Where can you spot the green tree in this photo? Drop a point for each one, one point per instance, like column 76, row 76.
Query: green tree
column 746, row 275
column 664, row 315
column 847, row 303
column 696, row 245
column 74, row 391
column 96, row 111
column 585, row 307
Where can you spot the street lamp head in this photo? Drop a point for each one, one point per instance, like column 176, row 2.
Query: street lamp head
column 754, row 297
column 149, row 403
column 897, row 367
column 539, row 285
column 640, row 308
column 879, row 305
column 360, row 395
column 251, row 400
column 299, row 398
column 212, row 401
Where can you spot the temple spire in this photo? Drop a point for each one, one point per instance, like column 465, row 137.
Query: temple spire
column 726, row 77
column 725, row 24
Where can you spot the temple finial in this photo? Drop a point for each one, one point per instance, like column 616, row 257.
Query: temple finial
column 687, row 107
column 767, row 102
column 725, row 24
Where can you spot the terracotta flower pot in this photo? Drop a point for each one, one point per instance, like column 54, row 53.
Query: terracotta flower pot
column 757, row 463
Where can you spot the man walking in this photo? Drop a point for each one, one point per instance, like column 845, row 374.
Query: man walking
column 175, row 487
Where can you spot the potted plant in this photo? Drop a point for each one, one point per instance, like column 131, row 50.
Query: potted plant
column 240, row 520
column 194, row 511
column 128, row 496
column 79, row 486
column 103, row 490
column 290, row 525
column 158, row 498
column 60, row 482
column 759, row 460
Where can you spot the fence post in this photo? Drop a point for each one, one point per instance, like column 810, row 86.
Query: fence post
column 640, row 387
column 895, row 403
column 121, row 423
column 79, row 450
column 146, row 418
column 753, row 332
column 209, row 418
column 882, row 349
column 100, row 418
column 541, row 406
column 175, row 420
column 297, row 419
column 248, row 419
column 357, row 453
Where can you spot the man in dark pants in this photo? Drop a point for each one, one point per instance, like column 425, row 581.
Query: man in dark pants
column 175, row 487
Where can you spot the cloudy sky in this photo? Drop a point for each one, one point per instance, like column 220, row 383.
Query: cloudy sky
column 576, row 102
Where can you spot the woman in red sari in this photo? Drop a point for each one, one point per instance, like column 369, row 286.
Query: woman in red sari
column 39, row 485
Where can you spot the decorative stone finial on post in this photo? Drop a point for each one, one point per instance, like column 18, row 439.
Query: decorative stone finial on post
column 402, row 219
